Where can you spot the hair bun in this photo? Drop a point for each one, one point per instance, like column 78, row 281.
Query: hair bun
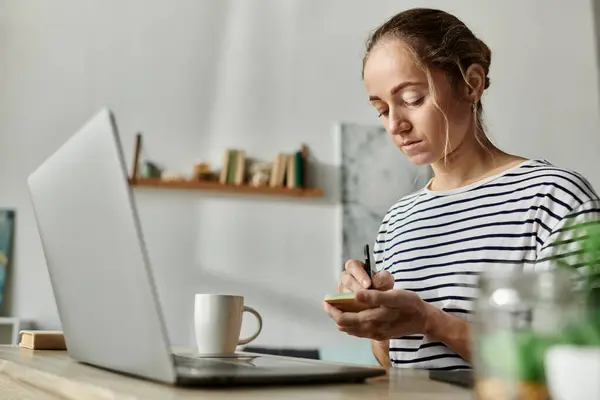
column 487, row 53
column 487, row 83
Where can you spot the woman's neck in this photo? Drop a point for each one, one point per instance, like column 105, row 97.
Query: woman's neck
column 469, row 163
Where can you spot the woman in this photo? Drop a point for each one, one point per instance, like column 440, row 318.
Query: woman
column 425, row 73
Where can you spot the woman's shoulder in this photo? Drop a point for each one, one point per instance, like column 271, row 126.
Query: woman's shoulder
column 556, row 182
column 404, row 205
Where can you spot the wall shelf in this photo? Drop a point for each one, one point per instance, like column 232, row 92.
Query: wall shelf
column 218, row 187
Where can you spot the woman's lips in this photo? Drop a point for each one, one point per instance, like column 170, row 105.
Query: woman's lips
column 411, row 145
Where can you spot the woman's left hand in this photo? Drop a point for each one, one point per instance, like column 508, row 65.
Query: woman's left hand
column 395, row 313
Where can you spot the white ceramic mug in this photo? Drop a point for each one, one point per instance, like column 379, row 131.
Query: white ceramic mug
column 218, row 323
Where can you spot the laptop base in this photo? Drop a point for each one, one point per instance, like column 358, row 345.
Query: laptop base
column 259, row 369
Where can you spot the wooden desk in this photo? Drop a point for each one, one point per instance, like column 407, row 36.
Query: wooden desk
column 42, row 374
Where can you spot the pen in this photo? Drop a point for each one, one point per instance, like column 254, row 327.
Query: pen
column 368, row 263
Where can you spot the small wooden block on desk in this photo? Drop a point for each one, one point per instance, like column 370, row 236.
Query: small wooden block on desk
column 42, row 340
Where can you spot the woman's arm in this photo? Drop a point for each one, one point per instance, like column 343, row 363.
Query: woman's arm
column 381, row 351
column 454, row 332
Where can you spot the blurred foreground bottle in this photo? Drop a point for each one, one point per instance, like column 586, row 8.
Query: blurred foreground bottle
column 518, row 316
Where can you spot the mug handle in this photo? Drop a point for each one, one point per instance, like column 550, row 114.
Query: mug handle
column 255, row 335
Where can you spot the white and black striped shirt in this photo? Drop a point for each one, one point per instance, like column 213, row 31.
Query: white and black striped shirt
column 436, row 243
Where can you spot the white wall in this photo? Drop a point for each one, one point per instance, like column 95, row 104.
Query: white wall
column 199, row 76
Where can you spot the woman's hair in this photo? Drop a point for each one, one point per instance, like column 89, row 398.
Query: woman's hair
column 437, row 39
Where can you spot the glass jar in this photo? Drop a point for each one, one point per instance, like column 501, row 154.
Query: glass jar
column 518, row 315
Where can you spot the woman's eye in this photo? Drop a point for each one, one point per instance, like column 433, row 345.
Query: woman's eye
column 416, row 102
column 383, row 112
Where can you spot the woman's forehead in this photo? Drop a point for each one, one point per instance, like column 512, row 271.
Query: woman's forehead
column 389, row 64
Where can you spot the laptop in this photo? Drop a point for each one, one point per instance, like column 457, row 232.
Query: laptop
column 102, row 279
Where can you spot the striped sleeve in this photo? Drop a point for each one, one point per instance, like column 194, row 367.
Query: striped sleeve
column 386, row 228
column 378, row 246
column 571, row 243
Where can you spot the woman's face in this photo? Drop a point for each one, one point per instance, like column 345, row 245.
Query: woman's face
column 399, row 91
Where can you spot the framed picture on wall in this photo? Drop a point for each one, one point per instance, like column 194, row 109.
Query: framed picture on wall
column 7, row 227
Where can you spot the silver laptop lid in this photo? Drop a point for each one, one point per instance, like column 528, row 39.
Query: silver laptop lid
column 95, row 254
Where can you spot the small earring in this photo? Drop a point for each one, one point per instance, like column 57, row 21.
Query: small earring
column 474, row 107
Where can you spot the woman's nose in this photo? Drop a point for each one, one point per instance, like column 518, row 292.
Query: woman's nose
column 399, row 125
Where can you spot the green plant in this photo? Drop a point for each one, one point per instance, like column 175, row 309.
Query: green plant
column 591, row 247
column 584, row 259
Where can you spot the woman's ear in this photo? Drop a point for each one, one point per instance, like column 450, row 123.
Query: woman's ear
column 475, row 86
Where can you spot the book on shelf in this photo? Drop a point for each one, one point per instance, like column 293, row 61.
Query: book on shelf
column 233, row 169
column 289, row 170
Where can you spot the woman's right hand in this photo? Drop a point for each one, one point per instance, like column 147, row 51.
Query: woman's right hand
column 355, row 278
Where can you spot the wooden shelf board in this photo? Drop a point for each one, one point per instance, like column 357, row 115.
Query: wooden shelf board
column 215, row 186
